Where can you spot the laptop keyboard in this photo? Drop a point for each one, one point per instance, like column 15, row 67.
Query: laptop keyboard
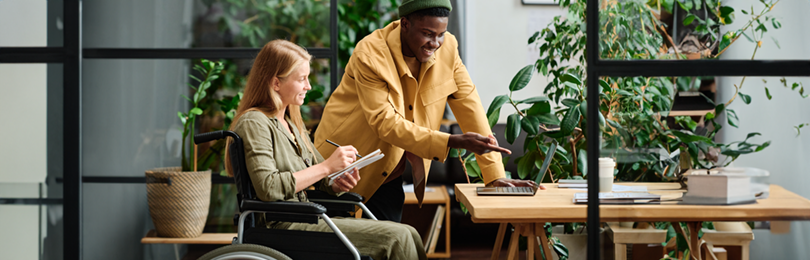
column 514, row 189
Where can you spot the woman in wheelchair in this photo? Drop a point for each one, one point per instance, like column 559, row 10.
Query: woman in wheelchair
column 281, row 161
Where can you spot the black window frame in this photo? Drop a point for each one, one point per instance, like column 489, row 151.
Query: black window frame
column 71, row 54
column 597, row 67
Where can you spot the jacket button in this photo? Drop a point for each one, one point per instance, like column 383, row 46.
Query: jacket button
column 385, row 174
column 435, row 158
column 410, row 107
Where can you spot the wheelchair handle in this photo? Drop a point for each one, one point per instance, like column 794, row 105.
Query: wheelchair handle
column 211, row 136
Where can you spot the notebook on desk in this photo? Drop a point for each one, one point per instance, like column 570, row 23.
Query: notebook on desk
column 521, row 191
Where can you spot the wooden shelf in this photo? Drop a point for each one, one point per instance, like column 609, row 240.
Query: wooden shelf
column 206, row 238
column 436, row 196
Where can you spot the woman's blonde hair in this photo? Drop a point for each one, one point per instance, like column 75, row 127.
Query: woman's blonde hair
column 277, row 59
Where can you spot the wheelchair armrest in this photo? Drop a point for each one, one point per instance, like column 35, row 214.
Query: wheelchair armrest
column 283, row 206
column 322, row 195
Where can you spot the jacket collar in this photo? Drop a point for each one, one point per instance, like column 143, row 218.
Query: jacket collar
column 395, row 46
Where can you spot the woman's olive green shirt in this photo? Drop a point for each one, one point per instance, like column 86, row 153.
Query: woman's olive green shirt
column 272, row 155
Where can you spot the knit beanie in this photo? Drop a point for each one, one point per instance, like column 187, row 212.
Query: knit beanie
column 410, row 6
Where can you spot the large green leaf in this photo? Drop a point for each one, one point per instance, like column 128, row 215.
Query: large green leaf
column 533, row 100
column 568, row 77
column 548, row 119
column 570, row 102
column 522, row 78
column 497, row 103
column 526, row 164
column 690, row 138
column 582, row 162
column 530, row 124
column 473, row 170
column 512, row 128
column 570, row 121
column 493, row 117
column 539, row 108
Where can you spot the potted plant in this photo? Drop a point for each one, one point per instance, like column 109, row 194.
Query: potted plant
column 633, row 110
column 179, row 197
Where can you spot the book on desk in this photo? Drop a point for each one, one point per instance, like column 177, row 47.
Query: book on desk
column 705, row 188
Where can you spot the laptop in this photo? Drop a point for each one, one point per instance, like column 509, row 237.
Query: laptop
column 522, row 191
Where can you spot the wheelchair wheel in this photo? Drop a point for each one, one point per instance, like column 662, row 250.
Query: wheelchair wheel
column 244, row 251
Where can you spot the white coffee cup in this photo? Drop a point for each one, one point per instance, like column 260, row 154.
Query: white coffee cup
column 606, row 166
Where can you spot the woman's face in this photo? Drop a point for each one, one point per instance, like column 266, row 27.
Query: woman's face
column 293, row 88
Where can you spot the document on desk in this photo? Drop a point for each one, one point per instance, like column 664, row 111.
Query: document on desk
column 620, row 198
column 616, row 187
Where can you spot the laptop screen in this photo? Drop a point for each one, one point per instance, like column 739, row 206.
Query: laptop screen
column 551, row 150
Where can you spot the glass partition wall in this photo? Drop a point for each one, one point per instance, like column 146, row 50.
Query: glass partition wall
column 683, row 86
column 103, row 82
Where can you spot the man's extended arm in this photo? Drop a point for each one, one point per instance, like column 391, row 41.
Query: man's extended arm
column 469, row 112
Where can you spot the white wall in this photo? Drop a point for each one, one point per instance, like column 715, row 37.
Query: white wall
column 496, row 41
column 787, row 157
column 24, row 102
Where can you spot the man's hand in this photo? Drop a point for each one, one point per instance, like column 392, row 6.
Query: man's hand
column 476, row 143
column 506, row 182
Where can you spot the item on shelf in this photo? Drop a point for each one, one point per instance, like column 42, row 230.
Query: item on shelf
column 178, row 201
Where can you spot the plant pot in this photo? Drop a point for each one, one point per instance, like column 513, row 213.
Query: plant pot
column 178, row 201
column 576, row 243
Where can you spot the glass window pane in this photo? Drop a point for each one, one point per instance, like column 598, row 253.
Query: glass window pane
column 31, row 23
column 31, row 231
column 36, row 158
column 204, row 24
column 670, row 30
column 130, row 111
column 657, row 133
column 115, row 218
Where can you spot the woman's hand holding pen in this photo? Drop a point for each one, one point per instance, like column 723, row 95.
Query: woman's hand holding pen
column 341, row 158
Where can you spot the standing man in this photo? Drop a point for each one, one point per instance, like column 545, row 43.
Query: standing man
column 392, row 97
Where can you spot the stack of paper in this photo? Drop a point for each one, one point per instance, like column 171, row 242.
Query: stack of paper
column 620, row 197
column 362, row 162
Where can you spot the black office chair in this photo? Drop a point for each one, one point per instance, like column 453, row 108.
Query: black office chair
column 280, row 243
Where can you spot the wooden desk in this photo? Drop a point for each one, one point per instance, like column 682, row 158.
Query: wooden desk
column 556, row 205
column 438, row 196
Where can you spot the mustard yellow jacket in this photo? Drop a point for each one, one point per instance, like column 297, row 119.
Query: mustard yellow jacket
column 368, row 108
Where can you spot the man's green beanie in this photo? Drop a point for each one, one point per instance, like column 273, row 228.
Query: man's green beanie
column 409, row 6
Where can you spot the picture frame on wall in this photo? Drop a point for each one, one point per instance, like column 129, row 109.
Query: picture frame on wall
column 538, row 2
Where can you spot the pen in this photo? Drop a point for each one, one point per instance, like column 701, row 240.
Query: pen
column 333, row 143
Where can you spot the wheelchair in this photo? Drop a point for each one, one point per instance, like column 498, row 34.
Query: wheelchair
column 259, row 242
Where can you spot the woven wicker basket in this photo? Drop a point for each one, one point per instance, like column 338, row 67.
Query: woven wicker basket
column 178, row 201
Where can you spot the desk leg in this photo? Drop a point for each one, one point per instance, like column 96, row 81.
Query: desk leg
column 531, row 244
column 496, row 251
column 513, row 245
column 541, row 233
column 177, row 251
column 694, row 228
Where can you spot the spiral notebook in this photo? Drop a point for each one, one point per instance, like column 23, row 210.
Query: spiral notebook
column 362, row 162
